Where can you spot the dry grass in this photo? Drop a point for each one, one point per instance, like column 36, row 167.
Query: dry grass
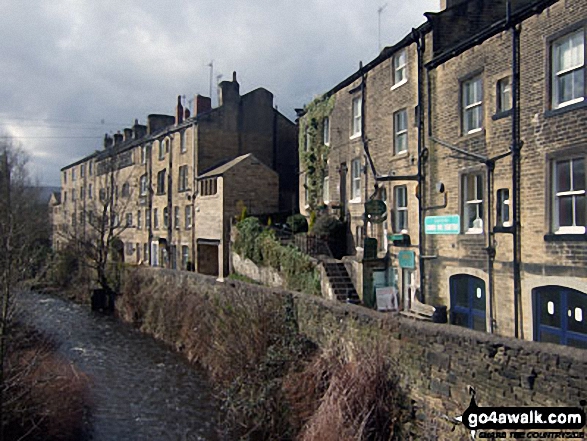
column 45, row 394
column 272, row 382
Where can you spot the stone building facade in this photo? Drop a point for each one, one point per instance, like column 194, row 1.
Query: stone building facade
column 452, row 235
column 146, row 180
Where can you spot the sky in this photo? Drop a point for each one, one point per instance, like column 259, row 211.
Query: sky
column 73, row 70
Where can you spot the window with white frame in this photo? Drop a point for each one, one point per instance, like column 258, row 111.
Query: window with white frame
column 568, row 69
column 399, row 68
column 129, row 219
column 185, row 257
column 82, row 171
column 147, row 218
column 182, row 144
column 139, row 220
column 400, row 129
column 155, row 218
column 473, row 203
column 504, row 95
column 91, row 168
column 503, row 208
column 400, row 209
column 166, row 217
column 356, row 115
column 472, row 105
column 569, row 199
column 144, row 154
column 356, row 170
column 188, row 217
column 176, row 217
column 144, row 185
column 326, row 188
column 90, row 191
column 326, row 131
column 162, row 149
column 183, row 178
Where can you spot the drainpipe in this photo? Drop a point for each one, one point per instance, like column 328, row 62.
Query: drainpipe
column 516, row 146
column 490, row 167
column 194, row 191
column 419, row 39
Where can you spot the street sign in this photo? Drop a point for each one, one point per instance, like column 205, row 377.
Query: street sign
column 450, row 224
column 406, row 259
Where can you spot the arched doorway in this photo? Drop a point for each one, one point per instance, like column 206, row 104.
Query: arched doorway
column 560, row 315
column 467, row 302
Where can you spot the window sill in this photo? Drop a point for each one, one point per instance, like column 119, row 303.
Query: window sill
column 355, row 136
column 355, row 201
column 563, row 109
column 551, row 237
column 474, row 231
column 502, row 114
column 397, row 85
column 401, row 155
column 473, row 133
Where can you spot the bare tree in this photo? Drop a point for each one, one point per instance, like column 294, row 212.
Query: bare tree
column 22, row 224
column 97, row 221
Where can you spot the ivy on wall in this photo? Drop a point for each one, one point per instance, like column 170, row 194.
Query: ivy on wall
column 313, row 151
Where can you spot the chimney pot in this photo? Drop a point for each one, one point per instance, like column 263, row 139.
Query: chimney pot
column 127, row 134
column 117, row 138
column 178, row 111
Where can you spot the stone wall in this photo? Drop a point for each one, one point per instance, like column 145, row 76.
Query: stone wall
column 262, row 274
column 436, row 363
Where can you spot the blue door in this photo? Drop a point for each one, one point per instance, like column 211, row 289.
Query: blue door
column 467, row 300
column 560, row 315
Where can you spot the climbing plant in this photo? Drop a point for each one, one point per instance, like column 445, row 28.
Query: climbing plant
column 313, row 151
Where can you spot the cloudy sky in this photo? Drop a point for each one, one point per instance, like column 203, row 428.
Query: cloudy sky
column 72, row 70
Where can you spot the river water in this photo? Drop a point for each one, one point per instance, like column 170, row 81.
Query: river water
column 140, row 389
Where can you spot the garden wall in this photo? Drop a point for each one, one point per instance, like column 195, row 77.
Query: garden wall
column 436, row 363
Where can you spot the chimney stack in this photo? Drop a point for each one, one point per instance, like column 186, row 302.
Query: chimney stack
column 186, row 113
column 202, row 104
column 178, row 111
column 139, row 130
column 156, row 123
column 127, row 134
column 107, row 141
column 117, row 138
column 229, row 91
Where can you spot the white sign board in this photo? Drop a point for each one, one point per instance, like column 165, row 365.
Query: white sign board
column 387, row 298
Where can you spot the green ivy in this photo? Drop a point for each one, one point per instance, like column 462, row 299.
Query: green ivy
column 314, row 159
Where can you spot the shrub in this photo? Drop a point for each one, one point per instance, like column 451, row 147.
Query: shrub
column 298, row 223
column 262, row 247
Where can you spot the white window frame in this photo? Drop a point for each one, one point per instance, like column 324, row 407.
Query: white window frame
column 144, row 185
column 576, row 39
column 326, row 131
column 400, row 132
column 176, row 217
column 400, row 211
column 139, row 220
column 572, row 193
column 183, row 146
column 356, row 117
column 504, row 94
column 188, row 217
column 356, row 171
column 183, row 178
column 474, row 106
column 471, row 202
column 399, row 68
column 326, row 189
column 503, row 218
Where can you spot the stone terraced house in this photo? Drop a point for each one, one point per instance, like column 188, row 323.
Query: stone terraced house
column 471, row 133
column 154, row 182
